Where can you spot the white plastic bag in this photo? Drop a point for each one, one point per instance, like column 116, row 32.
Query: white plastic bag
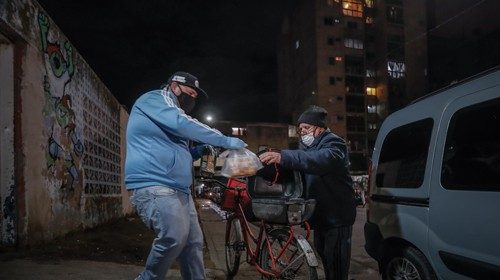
column 240, row 163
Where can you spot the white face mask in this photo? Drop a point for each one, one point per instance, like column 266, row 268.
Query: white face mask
column 307, row 139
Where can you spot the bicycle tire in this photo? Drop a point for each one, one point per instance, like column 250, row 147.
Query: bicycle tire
column 233, row 241
column 294, row 257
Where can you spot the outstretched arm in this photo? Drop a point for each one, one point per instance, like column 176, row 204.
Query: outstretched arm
column 161, row 109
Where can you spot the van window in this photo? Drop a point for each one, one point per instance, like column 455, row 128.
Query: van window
column 471, row 159
column 404, row 155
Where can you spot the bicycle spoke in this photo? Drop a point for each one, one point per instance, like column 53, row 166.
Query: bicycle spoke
column 283, row 256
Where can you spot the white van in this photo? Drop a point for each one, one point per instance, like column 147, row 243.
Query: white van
column 434, row 210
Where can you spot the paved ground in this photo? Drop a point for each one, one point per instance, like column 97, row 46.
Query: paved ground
column 62, row 262
column 362, row 266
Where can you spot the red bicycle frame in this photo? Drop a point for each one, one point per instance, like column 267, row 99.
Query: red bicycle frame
column 248, row 235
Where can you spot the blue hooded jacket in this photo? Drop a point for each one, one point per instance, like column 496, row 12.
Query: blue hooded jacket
column 158, row 134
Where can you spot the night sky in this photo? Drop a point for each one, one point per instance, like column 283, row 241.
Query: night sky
column 134, row 46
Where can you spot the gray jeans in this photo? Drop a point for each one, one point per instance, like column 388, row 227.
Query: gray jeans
column 172, row 215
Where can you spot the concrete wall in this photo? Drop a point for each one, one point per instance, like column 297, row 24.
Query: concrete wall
column 7, row 214
column 68, row 133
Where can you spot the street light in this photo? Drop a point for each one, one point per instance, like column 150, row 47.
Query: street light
column 209, row 118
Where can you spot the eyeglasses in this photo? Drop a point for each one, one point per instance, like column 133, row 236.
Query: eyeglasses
column 305, row 129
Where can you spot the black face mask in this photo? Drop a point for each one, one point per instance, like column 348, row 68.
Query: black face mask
column 186, row 102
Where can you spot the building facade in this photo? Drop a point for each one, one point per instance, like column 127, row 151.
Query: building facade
column 355, row 59
column 261, row 136
column 62, row 133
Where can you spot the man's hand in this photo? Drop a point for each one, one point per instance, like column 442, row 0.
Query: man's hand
column 270, row 157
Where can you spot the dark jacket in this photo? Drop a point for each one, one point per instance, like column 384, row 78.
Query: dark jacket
column 325, row 166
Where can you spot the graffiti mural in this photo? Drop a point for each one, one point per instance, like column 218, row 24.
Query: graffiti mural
column 97, row 152
column 65, row 149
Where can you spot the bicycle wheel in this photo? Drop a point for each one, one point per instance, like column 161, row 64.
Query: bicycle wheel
column 233, row 245
column 292, row 264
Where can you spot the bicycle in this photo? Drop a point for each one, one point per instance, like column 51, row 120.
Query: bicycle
column 277, row 252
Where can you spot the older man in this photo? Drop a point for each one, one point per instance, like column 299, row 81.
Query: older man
column 324, row 162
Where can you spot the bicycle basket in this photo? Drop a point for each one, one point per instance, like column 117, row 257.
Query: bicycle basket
column 272, row 181
column 291, row 211
column 276, row 193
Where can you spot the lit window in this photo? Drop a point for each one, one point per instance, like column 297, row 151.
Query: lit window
column 372, row 126
column 372, row 108
column 370, row 73
column 369, row 20
column 369, row 3
column 238, row 131
column 338, row 58
column 371, row 91
column 353, row 8
column 353, row 43
column 297, row 44
column 292, row 131
column 396, row 69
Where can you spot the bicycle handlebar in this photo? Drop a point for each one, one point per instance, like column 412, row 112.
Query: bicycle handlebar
column 221, row 184
column 214, row 181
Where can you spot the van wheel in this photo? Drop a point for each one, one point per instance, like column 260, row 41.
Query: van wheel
column 407, row 263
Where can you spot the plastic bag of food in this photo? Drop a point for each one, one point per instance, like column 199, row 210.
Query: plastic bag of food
column 240, row 163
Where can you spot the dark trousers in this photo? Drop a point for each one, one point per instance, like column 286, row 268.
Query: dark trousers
column 334, row 247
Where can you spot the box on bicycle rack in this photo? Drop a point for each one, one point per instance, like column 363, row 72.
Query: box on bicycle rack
column 229, row 197
column 276, row 196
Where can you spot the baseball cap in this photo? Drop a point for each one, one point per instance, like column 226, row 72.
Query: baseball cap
column 187, row 79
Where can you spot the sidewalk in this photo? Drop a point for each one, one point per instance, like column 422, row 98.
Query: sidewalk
column 79, row 270
column 115, row 251
column 214, row 229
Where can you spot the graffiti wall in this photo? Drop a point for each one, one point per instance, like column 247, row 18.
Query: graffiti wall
column 69, row 174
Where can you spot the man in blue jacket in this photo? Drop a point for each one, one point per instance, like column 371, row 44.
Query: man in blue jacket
column 324, row 162
column 158, row 168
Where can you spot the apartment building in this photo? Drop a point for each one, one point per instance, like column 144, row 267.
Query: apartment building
column 360, row 60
